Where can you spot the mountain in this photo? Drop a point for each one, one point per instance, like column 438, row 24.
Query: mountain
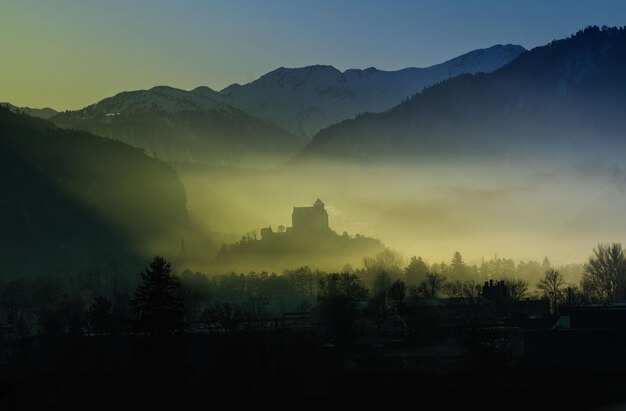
column 568, row 97
column 44, row 113
column 178, row 125
column 73, row 202
column 305, row 100
column 245, row 125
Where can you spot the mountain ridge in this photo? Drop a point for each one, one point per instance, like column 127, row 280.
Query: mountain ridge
column 45, row 112
column 264, row 122
column 563, row 96
column 85, row 201
column 178, row 125
column 306, row 99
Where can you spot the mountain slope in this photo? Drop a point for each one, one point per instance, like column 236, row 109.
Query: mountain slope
column 245, row 125
column 180, row 125
column 568, row 96
column 44, row 113
column 305, row 100
column 73, row 202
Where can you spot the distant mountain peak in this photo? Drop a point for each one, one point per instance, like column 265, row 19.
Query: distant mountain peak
column 296, row 77
column 45, row 112
column 194, row 126
column 165, row 89
column 300, row 100
column 565, row 97
column 306, row 99
column 203, row 89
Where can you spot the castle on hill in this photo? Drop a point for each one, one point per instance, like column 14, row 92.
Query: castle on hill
column 304, row 220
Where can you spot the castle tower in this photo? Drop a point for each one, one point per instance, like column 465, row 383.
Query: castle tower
column 313, row 218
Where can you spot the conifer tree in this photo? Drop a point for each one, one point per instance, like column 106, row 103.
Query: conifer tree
column 157, row 304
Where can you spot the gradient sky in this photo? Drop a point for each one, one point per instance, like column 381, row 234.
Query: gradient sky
column 70, row 53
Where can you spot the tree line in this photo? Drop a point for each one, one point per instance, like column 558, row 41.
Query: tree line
column 161, row 302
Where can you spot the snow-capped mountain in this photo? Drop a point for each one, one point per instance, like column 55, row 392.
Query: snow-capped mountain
column 179, row 125
column 565, row 99
column 305, row 100
column 301, row 100
column 271, row 118
column 160, row 98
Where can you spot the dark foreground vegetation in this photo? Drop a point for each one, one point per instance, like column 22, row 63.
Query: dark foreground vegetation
column 374, row 334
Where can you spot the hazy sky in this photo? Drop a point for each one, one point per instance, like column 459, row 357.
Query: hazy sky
column 69, row 53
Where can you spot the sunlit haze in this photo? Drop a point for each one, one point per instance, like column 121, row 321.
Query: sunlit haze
column 207, row 202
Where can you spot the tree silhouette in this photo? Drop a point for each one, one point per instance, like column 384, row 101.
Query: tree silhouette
column 517, row 288
column 228, row 316
column 382, row 282
column 341, row 286
column 431, row 286
column 397, row 294
column 386, row 300
column 157, row 304
column 605, row 273
column 458, row 269
column 386, row 260
column 415, row 271
column 552, row 285
column 338, row 295
column 302, row 280
column 467, row 294
column 347, row 268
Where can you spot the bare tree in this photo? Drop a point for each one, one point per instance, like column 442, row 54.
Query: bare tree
column 467, row 290
column 605, row 273
column 517, row 288
column 466, row 294
column 386, row 260
column 227, row 316
column 552, row 286
column 576, row 296
column 432, row 285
